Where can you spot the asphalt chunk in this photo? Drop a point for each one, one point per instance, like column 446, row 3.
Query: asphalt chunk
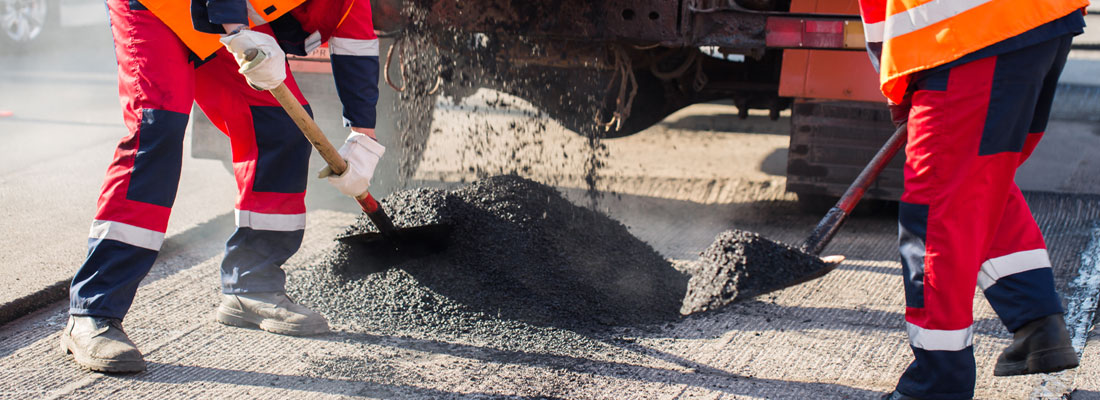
column 740, row 265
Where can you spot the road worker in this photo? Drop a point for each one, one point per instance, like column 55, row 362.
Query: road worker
column 168, row 58
column 974, row 82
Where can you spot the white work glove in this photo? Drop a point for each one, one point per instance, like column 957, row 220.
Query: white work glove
column 268, row 68
column 362, row 154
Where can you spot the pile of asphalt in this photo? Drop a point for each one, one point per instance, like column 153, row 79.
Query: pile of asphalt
column 740, row 265
column 518, row 252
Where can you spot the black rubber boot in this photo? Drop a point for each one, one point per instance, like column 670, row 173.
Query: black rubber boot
column 1041, row 346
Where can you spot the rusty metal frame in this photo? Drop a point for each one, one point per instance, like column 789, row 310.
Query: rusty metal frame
column 670, row 23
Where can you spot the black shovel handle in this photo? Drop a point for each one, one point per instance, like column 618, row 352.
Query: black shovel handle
column 827, row 228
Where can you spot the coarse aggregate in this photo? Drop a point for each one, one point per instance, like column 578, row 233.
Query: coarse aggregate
column 522, row 259
column 519, row 253
column 741, row 264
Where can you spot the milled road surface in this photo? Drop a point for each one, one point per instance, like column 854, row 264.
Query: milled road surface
column 837, row 337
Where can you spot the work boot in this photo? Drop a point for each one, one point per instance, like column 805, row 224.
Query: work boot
column 272, row 312
column 896, row 395
column 100, row 344
column 1041, row 346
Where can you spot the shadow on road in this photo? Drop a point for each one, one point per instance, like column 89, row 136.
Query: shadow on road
column 691, row 374
column 182, row 374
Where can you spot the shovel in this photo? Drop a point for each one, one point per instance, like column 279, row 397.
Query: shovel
column 390, row 243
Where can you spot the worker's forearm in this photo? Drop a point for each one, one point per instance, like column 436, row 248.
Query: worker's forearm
column 357, row 87
column 366, row 131
column 233, row 27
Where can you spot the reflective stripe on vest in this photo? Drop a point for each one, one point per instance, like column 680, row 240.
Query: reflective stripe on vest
column 177, row 15
column 920, row 34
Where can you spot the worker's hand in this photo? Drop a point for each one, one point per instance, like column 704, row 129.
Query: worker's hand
column 362, row 154
column 899, row 113
column 264, row 69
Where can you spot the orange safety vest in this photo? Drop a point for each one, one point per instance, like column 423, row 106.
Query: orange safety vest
column 921, row 34
column 177, row 15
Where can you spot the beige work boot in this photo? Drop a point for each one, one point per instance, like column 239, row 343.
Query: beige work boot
column 100, row 344
column 272, row 312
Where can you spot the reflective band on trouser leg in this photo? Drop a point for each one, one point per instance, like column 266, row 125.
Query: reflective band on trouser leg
column 156, row 87
column 940, row 340
column 270, row 222
column 270, row 162
column 353, row 47
column 119, row 257
column 943, row 365
column 994, row 269
column 129, row 234
column 1017, row 278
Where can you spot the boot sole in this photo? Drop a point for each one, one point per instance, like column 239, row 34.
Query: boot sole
column 100, row 365
column 1039, row 362
column 238, row 318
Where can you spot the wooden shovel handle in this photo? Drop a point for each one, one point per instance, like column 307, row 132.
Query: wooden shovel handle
column 320, row 142
column 309, row 128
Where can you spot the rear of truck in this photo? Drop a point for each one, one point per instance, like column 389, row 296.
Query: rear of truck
column 615, row 67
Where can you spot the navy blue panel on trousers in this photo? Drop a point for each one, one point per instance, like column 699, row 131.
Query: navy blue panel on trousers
column 357, row 85
column 156, row 173
column 105, row 284
column 1018, row 78
column 940, row 375
column 283, row 152
column 913, row 230
column 932, row 79
column 253, row 260
column 1050, row 85
column 1024, row 297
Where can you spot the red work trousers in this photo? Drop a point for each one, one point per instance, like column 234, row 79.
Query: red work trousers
column 159, row 79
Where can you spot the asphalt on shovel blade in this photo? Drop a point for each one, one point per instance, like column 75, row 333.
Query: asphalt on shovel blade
column 406, row 244
column 740, row 265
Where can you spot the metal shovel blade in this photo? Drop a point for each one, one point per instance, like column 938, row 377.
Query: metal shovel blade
column 403, row 245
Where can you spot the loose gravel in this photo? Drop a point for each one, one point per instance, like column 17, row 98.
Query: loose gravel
column 519, row 251
column 522, row 258
column 739, row 265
